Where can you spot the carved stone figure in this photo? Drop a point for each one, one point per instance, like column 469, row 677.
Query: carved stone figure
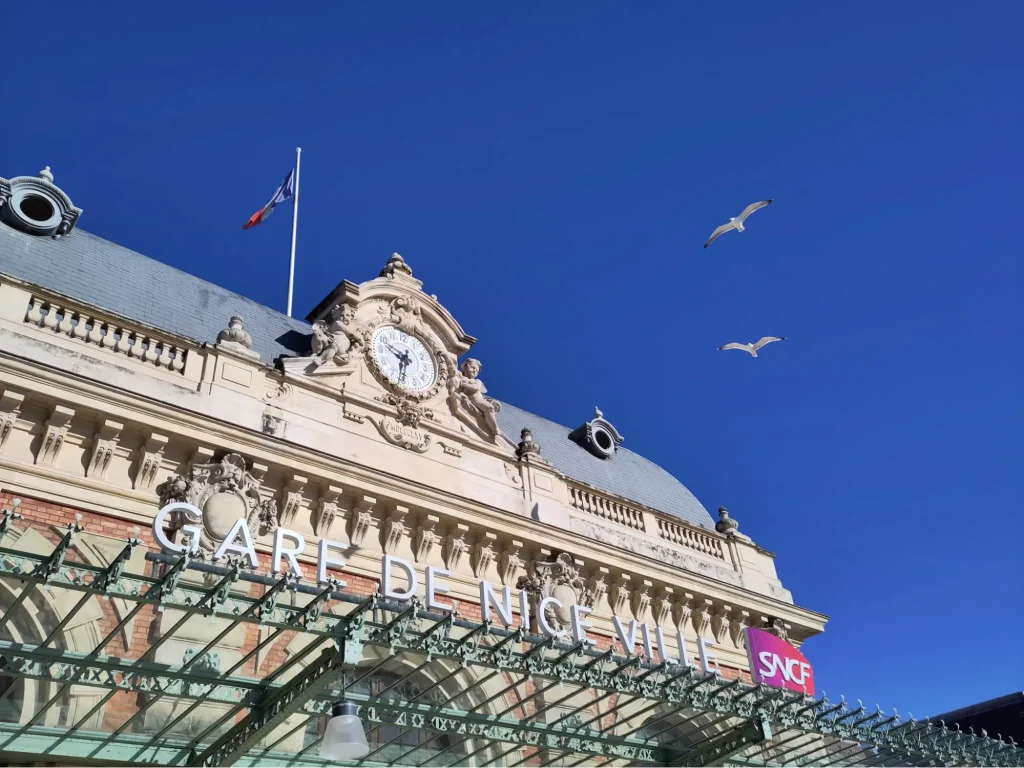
column 777, row 628
column 337, row 338
column 224, row 492
column 466, row 399
column 561, row 579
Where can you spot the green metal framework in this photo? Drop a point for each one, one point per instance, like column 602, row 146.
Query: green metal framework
column 731, row 721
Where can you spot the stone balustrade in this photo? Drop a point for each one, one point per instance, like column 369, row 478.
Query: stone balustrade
column 691, row 537
column 88, row 327
column 605, row 507
column 632, row 516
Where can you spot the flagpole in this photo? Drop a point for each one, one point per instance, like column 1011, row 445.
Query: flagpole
column 295, row 227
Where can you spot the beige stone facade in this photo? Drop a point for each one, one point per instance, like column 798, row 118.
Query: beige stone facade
column 98, row 411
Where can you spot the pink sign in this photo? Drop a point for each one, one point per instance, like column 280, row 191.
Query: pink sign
column 775, row 662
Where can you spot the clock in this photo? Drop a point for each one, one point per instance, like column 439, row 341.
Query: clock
column 403, row 359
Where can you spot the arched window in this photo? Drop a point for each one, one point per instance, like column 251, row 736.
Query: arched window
column 21, row 698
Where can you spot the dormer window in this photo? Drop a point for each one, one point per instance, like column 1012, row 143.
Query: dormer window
column 37, row 206
column 598, row 436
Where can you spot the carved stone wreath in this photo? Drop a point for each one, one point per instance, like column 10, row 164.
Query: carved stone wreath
column 405, row 312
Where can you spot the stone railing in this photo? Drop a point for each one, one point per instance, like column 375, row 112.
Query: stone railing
column 649, row 521
column 691, row 537
column 605, row 507
column 106, row 333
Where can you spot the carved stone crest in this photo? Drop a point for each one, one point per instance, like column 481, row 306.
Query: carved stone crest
column 224, row 492
column 561, row 579
column 467, row 401
column 402, row 435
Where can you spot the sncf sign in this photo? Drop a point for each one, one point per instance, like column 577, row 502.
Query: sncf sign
column 775, row 662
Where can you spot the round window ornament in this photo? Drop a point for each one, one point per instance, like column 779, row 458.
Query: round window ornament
column 598, row 436
column 36, row 206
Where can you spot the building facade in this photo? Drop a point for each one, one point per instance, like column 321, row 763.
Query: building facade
column 218, row 519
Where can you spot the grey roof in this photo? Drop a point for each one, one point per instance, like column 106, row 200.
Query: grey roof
column 625, row 474
column 117, row 279
column 106, row 275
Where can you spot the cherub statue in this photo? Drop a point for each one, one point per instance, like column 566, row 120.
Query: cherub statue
column 466, row 397
column 337, row 339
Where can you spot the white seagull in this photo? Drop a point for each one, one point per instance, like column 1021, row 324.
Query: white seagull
column 752, row 348
column 737, row 222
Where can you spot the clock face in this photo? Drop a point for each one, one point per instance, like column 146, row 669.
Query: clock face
column 403, row 359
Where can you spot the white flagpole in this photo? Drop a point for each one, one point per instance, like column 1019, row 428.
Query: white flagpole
column 295, row 226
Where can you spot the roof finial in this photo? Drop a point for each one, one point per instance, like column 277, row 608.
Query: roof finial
column 527, row 445
column 396, row 264
column 46, row 174
column 726, row 525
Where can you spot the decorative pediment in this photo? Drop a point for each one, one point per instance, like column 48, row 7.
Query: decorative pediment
column 410, row 346
column 396, row 280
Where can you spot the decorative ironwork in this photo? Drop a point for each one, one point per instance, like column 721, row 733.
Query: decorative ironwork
column 535, row 676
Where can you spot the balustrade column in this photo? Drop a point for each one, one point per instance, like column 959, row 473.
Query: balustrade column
column 50, row 321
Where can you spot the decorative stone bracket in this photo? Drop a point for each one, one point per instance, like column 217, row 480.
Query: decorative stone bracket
column 104, row 445
column 10, row 409
column 54, row 435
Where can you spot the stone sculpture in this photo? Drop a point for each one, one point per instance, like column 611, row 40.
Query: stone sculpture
column 337, row 338
column 466, row 399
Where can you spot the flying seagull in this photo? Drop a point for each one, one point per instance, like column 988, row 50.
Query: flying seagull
column 752, row 348
column 737, row 222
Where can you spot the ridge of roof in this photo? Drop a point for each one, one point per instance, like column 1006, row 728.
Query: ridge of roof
column 84, row 266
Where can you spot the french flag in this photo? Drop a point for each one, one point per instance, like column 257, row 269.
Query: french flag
column 284, row 192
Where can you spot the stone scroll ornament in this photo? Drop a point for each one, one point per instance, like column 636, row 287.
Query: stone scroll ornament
column 224, row 492
column 466, row 399
column 558, row 578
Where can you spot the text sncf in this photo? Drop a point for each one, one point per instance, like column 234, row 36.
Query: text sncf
column 792, row 670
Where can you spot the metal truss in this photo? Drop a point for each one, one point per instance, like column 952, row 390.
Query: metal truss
column 759, row 725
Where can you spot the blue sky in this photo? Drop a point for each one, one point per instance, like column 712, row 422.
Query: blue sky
column 551, row 172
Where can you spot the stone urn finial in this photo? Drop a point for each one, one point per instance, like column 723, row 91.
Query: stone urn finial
column 396, row 264
column 236, row 338
column 726, row 525
column 46, row 174
column 527, row 445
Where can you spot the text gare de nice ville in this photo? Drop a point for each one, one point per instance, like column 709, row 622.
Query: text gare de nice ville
column 288, row 545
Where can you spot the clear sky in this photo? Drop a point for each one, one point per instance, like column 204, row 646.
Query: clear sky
column 552, row 170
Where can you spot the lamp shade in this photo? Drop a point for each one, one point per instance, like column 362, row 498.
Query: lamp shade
column 344, row 738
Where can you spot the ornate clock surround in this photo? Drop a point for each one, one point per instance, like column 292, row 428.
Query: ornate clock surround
column 405, row 313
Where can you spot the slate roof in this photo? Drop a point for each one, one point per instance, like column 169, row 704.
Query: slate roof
column 106, row 275
column 625, row 474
